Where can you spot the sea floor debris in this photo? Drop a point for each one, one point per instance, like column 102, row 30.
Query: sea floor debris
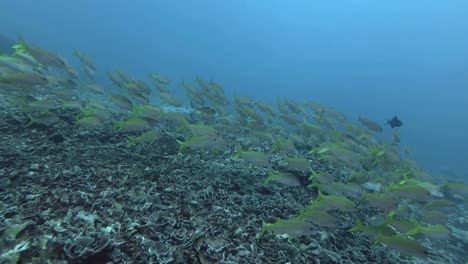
column 84, row 197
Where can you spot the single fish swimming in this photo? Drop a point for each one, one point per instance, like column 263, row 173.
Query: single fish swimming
column 395, row 122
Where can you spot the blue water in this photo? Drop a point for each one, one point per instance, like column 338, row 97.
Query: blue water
column 370, row 58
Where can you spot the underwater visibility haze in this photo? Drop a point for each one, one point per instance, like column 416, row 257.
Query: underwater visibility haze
column 233, row 131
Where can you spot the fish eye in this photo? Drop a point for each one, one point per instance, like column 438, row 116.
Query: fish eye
column 44, row 78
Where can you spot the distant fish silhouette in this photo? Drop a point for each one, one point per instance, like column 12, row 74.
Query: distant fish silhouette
column 395, row 122
column 207, row 110
column 204, row 109
column 371, row 125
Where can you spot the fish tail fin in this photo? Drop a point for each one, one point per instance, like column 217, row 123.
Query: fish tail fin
column 238, row 153
column 132, row 141
column 31, row 121
column 378, row 240
column 276, row 145
column 118, row 125
column 182, row 145
column 358, row 227
column 313, row 175
column 264, row 229
column 184, row 126
column 270, row 177
column 417, row 227
column 21, row 47
column 22, row 41
column 76, row 53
